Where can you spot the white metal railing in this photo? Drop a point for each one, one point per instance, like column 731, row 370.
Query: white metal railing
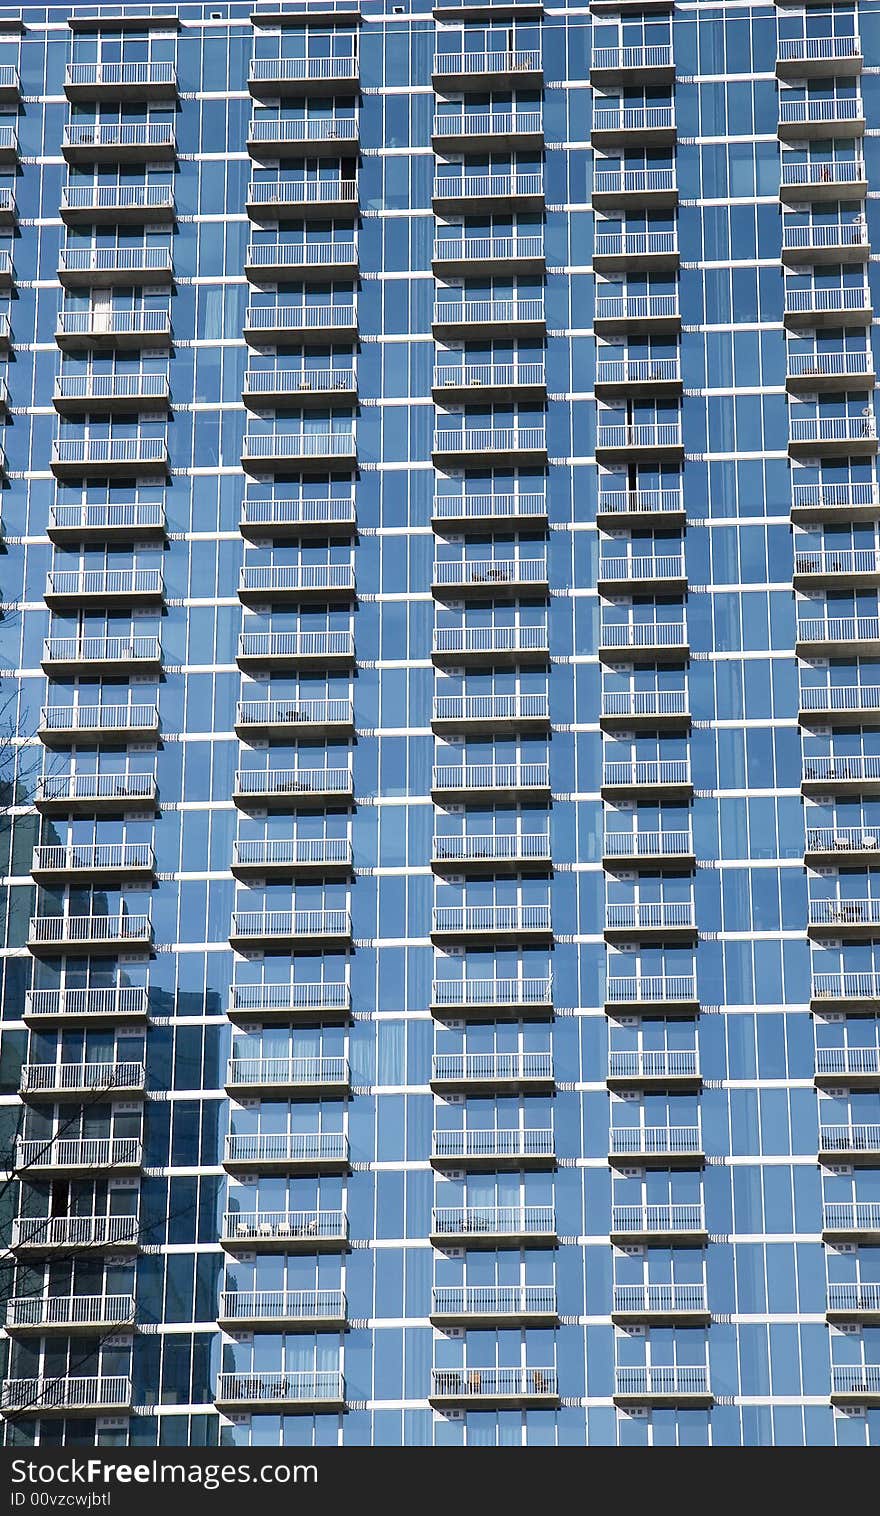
column 124, row 75
column 37, row 1077
column 490, row 640
column 118, row 857
column 77, row 1153
column 658, row 1219
column 667, row 1063
column 667, row 1299
column 321, row 995
column 495, row 1220
column 841, row 697
column 632, row 118
column 656, row 56
column 75, row 1231
column 848, row 1060
column 295, row 70
column 269, row 513
column 493, row 1384
column 491, row 1067
column 842, row 839
column 133, row 516
column 844, row 912
column 638, row 370
column 640, row 634
column 41, row 1395
column 110, row 450
column 298, row 381
column 285, row 1147
column 836, row 496
column 853, row 365
column 303, row 192
column 305, row 577
column 488, row 375
column 116, row 1000
column 487, row 249
column 296, row 852
column 464, row 312
column 650, row 988
column 106, row 387
column 479, row 507
column 310, row 923
column 636, row 307
column 7, row 202
column 824, row 49
column 461, row 572
column 102, row 650
column 9, row 77
column 293, row 782
column 823, row 429
column 491, row 776
column 651, row 915
column 839, row 629
column 662, row 1380
column 301, row 254
column 491, row 992
column 634, row 181
column 464, row 186
column 846, row 985
column 95, row 260
column 299, row 444
column 489, row 62
column 646, row 773
column 839, row 297
column 113, row 197
column 491, row 918
column 282, row 1305
column 296, row 645
column 305, row 130
column 69, row 1310
column 294, row 1387
column 855, row 1379
column 838, row 234
column 335, row 712
column 491, row 123
column 641, row 502
column 801, row 112
column 859, row 1138
column 73, row 929
column 494, row 1300
column 129, row 581
column 851, row 1216
column 635, row 244
column 300, row 318
column 113, row 323
column 98, row 718
column 125, row 134
column 807, row 175
column 834, row 561
column 648, row 434
column 497, row 846
column 644, row 703
column 312, row 1070
column 95, row 787
column 497, row 1142
column 665, row 843
column 660, row 1140
column 491, row 708
column 279, row 1226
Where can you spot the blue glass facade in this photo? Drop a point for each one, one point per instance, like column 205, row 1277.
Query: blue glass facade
column 441, row 750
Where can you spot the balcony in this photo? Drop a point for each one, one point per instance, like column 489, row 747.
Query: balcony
column 282, row 78
column 292, row 858
column 307, row 198
column 300, row 450
column 837, row 179
column 656, row 1146
column 124, row 205
column 76, row 1081
column 834, row 502
column 259, row 719
column 856, row 1068
column 832, row 436
column 492, row 578
column 281, row 519
column 102, row 330
column 35, row 1315
column 659, row 1385
column 851, row 1221
column 10, row 84
column 455, row 253
column 648, row 849
column 302, row 1003
column 492, row 1073
column 7, row 271
column 494, row 1305
column 120, row 81
column 296, row 1078
column 296, row 583
column 628, row 508
column 637, row 251
column 837, row 636
column 271, row 262
column 87, row 656
column 667, row 1069
column 849, row 919
column 282, row 651
column 273, row 325
column 490, row 318
column 65, row 1397
column 468, row 512
column 829, row 371
column 499, row 1389
column 637, row 376
column 478, row 71
column 514, row 445
column 840, row 705
column 135, row 521
column 311, row 136
column 465, row 193
column 490, row 381
column 91, row 725
column 67, row 589
column 496, row 646
column 298, row 1392
column 855, row 1384
column 491, row 999
column 632, row 65
column 800, row 120
column 282, row 1310
column 842, row 844
column 294, row 1153
column 491, row 1226
column 108, row 267
column 633, row 188
column 655, row 710
column 472, row 782
column 117, row 1003
column 277, row 387
column 124, row 143
column 491, row 852
column 95, row 794
column 673, row 1225
column 487, row 130
column 855, row 1144
column 819, row 58
column 615, row 124
column 638, row 641
column 661, row 441
column 485, row 714
column 652, row 994
column 846, row 991
column 489, row 1149
column 839, row 568
column 51, row 1234
column 285, row 1231
column 66, row 1157
column 661, row 573
column 267, row 930
column 841, row 305
column 293, row 789
column 118, row 394
column 59, row 935
column 660, row 1305
column 493, row 924
column 840, row 242
column 636, row 314
column 647, row 777
column 98, row 860
column 8, row 218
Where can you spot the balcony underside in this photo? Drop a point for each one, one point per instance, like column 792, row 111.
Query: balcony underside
column 491, row 1163
column 293, row 799
column 288, row 268
column 292, row 727
column 684, row 1009
column 295, row 1167
column 289, row 942
column 840, row 716
column 479, row 1241
column 676, row 1400
column 472, row 1402
column 823, row 189
column 485, row 726
column 650, row 790
column 676, row 1083
column 291, row 869
column 660, row 1318
column 499, row 1320
column 513, row 262
column 834, row 318
column 658, row 1237
column 515, row 1084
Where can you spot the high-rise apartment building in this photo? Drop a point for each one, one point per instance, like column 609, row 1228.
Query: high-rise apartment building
column 441, row 767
